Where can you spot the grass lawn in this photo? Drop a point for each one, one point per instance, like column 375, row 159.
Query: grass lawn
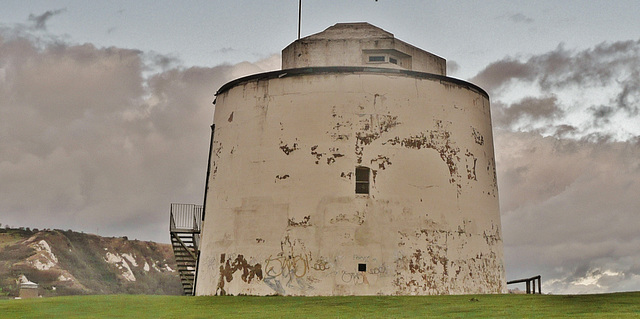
column 618, row 305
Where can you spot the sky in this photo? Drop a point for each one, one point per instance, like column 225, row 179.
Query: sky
column 105, row 110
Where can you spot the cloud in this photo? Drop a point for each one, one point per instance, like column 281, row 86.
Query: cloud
column 529, row 108
column 40, row 21
column 569, row 211
column 92, row 141
column 498, row 74
column 606, row 63
column 594, row 91
column 162, row 61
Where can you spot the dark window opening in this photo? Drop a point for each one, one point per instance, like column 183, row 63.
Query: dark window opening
column 362, row 180
column 393, row 60
column 376, row 58
column 362, row 267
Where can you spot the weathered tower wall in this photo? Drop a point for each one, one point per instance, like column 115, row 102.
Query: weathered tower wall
column 282, row 215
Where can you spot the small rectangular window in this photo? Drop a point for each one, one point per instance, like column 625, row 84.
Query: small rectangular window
column 362, row 180
column 393, row 60
column 376, row 58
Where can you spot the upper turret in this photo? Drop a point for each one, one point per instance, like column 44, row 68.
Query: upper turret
column 359, row 44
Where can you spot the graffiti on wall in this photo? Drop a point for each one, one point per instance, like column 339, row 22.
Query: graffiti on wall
column 321, row 265
column 287, row 266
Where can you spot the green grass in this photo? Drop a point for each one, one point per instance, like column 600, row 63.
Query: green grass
column 618, row 305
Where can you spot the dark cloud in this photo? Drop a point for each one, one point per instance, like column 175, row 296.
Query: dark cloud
column 564, row 131
column 40, row 21
column 601, row 113
column 90, row 143
column 601, row 65
column 162, row 61
column 498, row 74
column 529, row 108
column 603, row 81
column 629, row 97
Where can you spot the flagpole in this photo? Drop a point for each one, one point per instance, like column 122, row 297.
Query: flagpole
column 299, row 16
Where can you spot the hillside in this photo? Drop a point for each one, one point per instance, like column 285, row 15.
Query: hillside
column 72, row 263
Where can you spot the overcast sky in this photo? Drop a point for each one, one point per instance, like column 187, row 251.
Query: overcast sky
column 105, row 110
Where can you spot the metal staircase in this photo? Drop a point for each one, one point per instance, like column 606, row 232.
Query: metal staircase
column 185, row 225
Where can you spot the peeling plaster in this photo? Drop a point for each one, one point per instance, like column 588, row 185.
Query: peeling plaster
column 440, row 141
column 382, row 161
column 303, row 223
column 229, row 267
column 288, row 149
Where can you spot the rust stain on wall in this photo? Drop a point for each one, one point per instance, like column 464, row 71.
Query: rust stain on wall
column 471, row 169
column 491, row 169
column 341, row 130
column 382, row 161
column 440, row 141
column 477, row 137
column 217, row 149
column 432, row 269
column 288, row 149
column 370, row 129
column 317, row 155
column 374, row 126
column 492, row 236
column 358, row 218
column 346, row 175
column 332, row 158
column 303, row 223
column 229, row 267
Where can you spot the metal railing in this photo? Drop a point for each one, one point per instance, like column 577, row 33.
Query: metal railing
column 531, row 283
column 185, row 216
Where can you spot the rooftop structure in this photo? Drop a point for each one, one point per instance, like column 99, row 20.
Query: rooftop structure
column 359, row 44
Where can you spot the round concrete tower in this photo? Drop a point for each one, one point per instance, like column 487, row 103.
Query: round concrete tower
column 358, row 169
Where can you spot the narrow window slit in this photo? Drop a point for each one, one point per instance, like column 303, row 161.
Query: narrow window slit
column 362, row 180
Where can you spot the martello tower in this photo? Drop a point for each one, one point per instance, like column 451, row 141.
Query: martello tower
column 360, row 168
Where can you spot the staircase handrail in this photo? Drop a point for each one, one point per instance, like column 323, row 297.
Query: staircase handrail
column 185, row 216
